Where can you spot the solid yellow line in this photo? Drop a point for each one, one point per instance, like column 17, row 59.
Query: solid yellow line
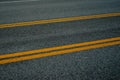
column 58, row 48
column 58, row 20
column 58, row 52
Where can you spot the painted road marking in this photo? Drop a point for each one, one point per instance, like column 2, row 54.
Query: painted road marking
column 17, row 1
column 29, row 23
column 59, row 52
column 58, row 48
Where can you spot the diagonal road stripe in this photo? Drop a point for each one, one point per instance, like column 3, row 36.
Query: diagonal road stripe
column 18, row 1
column 23, row 58
column 58, row 48
column 29, row 23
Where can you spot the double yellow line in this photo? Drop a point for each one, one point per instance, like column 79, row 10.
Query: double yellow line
column 38, row 22
column 71, row 48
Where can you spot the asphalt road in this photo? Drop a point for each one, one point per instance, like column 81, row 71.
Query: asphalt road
column 96, row 64
column 47, row 9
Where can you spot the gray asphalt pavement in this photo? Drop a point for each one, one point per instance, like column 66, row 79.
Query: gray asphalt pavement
column 96, row 64
column 47, row 9
column 49, row 35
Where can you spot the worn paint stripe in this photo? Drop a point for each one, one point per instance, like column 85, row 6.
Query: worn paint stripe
column 29, row 23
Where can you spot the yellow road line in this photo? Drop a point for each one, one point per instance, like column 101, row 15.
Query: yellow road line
column 58, row 52
column 58, row 48
column 29, row 23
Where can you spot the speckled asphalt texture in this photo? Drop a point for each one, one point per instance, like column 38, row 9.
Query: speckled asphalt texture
column 96, row 64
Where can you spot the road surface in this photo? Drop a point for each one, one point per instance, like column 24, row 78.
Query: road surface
column 84, row 43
